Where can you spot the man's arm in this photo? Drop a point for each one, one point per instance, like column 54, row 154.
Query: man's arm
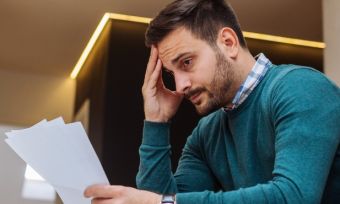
column 192, row 175
column 155, row 164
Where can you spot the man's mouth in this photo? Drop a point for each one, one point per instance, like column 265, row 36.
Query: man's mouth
column 195, row 97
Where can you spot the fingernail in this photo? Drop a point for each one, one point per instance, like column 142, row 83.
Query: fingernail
column 86, row 193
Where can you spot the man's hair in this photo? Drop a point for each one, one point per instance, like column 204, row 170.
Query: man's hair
column 203, row 18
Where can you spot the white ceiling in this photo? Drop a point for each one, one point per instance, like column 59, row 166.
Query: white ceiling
column 48, row 36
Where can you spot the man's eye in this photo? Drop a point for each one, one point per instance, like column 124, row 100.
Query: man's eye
column 187, row 62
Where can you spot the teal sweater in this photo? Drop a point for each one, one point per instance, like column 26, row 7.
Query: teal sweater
column 278, row 146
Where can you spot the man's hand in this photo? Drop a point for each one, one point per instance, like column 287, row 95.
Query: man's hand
column 106, row 194
column 160, row 103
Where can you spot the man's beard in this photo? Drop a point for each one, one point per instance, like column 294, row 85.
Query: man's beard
column 218, row 91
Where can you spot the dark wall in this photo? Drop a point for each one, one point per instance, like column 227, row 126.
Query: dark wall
column 112, row 78
column 124, row 109
column 91, row 84
column 280, row 53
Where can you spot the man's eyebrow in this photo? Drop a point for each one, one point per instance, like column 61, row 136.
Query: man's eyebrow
column 179, row 56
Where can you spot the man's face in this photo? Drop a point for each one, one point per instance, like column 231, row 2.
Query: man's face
column 201, row 73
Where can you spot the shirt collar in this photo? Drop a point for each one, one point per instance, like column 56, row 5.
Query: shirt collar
column 253, row 79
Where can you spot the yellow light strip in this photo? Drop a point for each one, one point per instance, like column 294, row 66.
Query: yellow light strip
column 90, row 45
column 251, row 35
column 285, row 40
column 123, row 17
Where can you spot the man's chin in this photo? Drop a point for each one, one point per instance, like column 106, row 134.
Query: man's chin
column 205, row 110
column 206, row 106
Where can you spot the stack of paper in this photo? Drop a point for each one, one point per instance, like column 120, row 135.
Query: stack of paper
column 62, row 154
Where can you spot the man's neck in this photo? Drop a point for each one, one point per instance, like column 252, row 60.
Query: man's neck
column 245, row 62
column 243, row 66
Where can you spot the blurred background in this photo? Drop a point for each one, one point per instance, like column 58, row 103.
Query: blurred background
column 42, row 40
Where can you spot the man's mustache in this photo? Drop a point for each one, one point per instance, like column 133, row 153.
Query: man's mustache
column 188, row 94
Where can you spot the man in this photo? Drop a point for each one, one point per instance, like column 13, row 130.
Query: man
column 271, row 134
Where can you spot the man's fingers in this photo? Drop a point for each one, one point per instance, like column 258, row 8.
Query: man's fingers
column 151, row 64
column 103, row 191
column 156, row 75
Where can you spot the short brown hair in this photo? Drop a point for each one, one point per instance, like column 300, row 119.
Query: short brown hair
column 204, row 18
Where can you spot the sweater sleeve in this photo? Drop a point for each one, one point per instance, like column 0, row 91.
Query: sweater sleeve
column 155, row 165
column 305, row 111
column 155, row 173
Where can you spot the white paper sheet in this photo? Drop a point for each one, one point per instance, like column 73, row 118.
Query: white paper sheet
column 62, row 154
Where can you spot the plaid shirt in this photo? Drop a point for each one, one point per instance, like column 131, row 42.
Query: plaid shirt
column 254, row 77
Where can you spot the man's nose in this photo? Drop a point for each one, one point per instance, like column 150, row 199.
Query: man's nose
column 182, row 82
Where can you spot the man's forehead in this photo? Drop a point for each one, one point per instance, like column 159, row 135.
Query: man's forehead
column 177, row 42
column 169, row 52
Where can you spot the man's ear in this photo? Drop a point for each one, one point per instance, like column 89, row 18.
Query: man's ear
column 227, row 38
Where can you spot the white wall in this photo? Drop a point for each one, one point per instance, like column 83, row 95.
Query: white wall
column 12, row 173
column 331, row 31
column 25, row 99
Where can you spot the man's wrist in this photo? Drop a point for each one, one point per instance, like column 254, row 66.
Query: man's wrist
column 157, row 120
column 168, row 199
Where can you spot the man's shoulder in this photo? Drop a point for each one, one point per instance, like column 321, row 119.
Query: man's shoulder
column 286, row 71
column 301, row 87
column 297, row 76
